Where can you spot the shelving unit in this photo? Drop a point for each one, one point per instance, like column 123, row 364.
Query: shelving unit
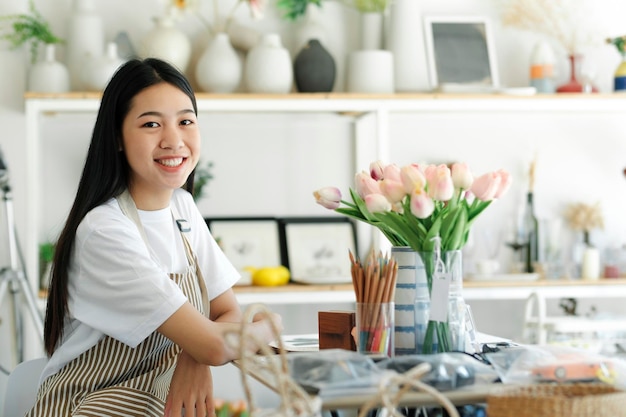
column 371, row 129
column 472, row 290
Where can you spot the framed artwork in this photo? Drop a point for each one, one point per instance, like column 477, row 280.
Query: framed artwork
column 248, row 241
column 461, row 54
column 317, row 249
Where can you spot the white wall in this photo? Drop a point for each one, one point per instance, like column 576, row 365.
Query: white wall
column 270, row 164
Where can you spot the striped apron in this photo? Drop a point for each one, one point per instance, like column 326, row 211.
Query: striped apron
column 113, row 379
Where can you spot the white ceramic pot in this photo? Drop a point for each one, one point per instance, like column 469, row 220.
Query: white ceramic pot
column 405, row 39
column 97, row 72
column 166, row 42
column 85, row 37
column 49, row 75
column 268, row 67
column 219, row 68
column 370, row 71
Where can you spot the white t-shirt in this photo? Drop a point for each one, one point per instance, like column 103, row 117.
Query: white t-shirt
column 120, row 288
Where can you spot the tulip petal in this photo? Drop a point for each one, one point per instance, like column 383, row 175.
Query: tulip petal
column 328, row 197
column 377, row 203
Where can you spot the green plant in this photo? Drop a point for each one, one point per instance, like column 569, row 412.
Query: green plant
column 46, row 256
column 619, row 42
column 202, row 177
column 26, row 28
column 368, row 6
column 293, row 9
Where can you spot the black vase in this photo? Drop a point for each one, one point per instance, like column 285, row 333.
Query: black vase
column 314, row 69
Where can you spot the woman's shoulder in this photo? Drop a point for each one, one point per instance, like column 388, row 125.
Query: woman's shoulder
column 105, row 216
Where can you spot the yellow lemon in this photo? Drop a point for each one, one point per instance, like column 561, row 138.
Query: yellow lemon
column 271, row 276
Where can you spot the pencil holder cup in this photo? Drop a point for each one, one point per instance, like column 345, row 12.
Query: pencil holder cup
column 375, row 328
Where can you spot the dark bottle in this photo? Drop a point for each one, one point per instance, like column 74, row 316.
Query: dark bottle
column 531, row 232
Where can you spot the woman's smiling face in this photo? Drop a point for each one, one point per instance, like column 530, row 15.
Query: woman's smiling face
column 161, row 139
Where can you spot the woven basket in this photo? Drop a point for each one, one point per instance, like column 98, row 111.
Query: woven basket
column 557, row 400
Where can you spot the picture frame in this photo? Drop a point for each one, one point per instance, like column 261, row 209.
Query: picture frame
column 461, row 54
column 248, row 241
column 316, row 249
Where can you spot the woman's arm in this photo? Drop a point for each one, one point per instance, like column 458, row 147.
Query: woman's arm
column 205, row 339
column 225, row 308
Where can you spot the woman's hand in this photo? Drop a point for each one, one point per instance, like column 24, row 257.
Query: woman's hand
column 265, row 326
column 191, row 389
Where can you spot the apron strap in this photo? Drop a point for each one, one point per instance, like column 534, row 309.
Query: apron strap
column 128, row 207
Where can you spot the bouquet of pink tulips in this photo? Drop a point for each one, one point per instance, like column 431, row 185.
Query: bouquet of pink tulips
column 413, row 204
column 428, row 208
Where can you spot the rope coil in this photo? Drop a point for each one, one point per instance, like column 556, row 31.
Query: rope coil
column 294, row 401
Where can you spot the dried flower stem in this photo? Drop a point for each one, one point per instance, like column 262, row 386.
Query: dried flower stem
column 559, row 19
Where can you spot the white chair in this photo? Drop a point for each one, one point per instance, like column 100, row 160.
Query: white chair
column 22, row 387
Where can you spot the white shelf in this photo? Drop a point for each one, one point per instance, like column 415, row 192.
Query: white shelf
column 485, row 290
column 371, row 119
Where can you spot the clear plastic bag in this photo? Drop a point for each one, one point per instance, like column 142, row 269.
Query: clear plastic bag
column 449, row 371
column 333, row 372
column 535, row 364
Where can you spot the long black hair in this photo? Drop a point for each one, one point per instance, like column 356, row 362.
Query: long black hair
column 106, row 172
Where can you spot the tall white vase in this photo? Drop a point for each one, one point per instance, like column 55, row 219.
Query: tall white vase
column 98, row 71
column 85, row 37
column 372, row 30
column 219, row 68
column 268, row 67
column 166, row 42
column 49, row 75
column 405, row 39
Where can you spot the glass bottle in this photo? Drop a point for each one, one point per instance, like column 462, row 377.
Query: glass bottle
column 530, row 228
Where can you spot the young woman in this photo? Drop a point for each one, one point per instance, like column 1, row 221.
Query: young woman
column 140, row 298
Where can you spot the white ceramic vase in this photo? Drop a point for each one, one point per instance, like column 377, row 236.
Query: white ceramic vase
column 372, row 30
column 405, row 39
column 370, row 71
column 49, row 75
column 311, row 27
column 98, row 71
column 219, row 68
column 85, row 37
column 268, row 67
column 166, row 42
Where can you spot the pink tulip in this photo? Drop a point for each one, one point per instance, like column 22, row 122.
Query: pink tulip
column 366, row 185
column 505, row 183
column 440, row 186
column 486, row 186
column 391, row 172
column 329, row 197
column 376, row 170
column 412, row 177
column 429, row 173
column 377, row 203
column 393, row 190
column 462, row 177
column 422, row 205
